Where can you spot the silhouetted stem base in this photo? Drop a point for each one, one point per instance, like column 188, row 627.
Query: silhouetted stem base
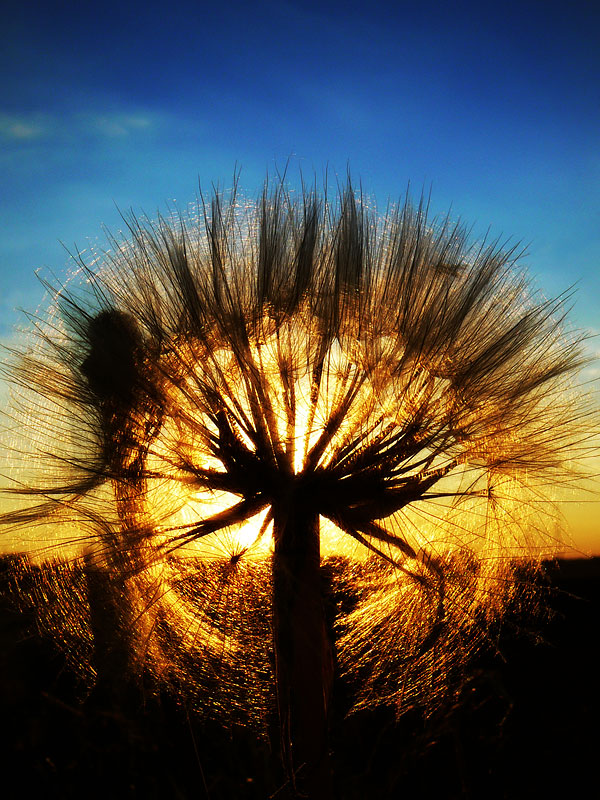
column 303, row 652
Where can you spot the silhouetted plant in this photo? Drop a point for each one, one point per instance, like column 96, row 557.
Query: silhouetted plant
column 249, row 412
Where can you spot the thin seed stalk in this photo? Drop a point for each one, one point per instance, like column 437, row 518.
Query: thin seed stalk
column 303, row 650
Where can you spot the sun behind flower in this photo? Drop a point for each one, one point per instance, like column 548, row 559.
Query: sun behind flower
column 247, row 410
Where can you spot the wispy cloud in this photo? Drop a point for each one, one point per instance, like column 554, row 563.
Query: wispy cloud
column 116, row 125
column 19, row 127
column 24, row 128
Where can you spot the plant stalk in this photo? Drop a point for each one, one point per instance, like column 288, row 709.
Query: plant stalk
column 303, row 650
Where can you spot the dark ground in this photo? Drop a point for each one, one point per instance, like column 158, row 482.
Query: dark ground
column 527, row 726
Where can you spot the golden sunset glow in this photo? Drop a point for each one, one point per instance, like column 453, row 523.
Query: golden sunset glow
column 239, row 418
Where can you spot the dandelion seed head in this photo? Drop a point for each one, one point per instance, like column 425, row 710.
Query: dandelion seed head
column 191, row 385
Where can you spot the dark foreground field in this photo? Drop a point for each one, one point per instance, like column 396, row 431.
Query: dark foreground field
column 527, row 725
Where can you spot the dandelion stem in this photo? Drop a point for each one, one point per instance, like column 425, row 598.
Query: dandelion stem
column 303, row 650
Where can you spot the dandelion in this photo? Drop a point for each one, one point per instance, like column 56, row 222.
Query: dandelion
column 294, row 438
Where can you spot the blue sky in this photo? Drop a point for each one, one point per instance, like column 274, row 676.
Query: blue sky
column 495, row 107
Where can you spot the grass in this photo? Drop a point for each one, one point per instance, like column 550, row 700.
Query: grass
column 525, row 725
